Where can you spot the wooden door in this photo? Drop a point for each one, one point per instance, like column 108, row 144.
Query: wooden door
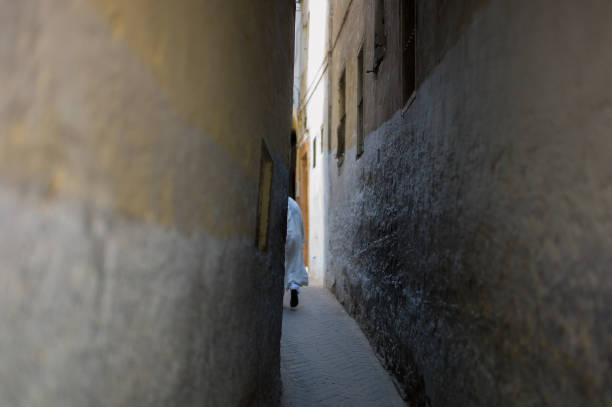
column 303, row 195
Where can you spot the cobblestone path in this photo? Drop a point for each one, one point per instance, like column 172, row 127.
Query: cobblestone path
column 326, row 359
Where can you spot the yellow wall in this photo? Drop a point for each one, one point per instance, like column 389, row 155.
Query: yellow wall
column 155, row 109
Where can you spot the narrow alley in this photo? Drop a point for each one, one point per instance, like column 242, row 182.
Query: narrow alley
column 433, row 175
column 326, row 359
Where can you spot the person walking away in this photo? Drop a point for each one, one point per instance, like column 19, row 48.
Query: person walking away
column 295, row 271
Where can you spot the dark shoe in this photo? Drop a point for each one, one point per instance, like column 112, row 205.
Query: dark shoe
column 294, row 299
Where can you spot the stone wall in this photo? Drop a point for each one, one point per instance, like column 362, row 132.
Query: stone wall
column 129, row 170
column 472, row 238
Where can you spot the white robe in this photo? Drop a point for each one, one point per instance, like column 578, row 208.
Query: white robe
column 295, row 272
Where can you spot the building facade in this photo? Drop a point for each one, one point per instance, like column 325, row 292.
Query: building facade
column 311, row 111
column 463, row 196
column 143, row 194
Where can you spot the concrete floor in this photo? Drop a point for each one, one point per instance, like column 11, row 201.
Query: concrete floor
column 326, row 359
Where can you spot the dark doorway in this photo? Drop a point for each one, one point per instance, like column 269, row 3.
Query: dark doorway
column 292, row 165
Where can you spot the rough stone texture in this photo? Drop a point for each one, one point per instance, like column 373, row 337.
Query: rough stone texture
column 472, row 239
column 128, row 271
column 326, row 360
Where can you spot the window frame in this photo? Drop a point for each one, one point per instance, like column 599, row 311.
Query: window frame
column 360, row 102
column 341, row 128
column 406, row 41
column 264, row 198
column 314, row 152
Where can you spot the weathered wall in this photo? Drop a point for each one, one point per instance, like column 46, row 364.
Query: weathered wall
column 131, row 136
column 472, row 239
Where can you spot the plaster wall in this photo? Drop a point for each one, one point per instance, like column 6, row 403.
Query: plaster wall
column 317, row 186
column 131, row 136
column 471, row 240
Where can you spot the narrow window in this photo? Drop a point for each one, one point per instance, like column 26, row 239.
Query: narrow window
column 360, row 132
column 322, row 129
column 380, row 34
column 408, row 12
column 342, row 112
column 263, row 205
column 314, row 152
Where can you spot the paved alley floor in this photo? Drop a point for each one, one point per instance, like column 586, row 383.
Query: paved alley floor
column 326, row 359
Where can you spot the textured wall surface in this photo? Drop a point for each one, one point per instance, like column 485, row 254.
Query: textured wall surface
column 472, row 239
column 129, row 164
